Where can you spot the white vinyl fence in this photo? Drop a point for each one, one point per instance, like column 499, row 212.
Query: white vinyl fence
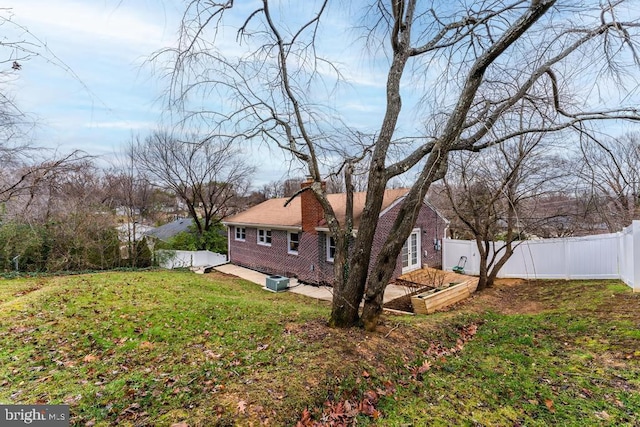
column 182, row 259
column 604, row 256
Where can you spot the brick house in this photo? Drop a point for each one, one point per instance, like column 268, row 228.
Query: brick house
column 294, row 241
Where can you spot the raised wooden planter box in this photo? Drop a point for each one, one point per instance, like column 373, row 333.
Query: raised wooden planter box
column 436, row 299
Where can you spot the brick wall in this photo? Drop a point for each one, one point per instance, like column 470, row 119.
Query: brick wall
column 276, row 259
column 312, row 212
column 430, row 224
column 310, row 265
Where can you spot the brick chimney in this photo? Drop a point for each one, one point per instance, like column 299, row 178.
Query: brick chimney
column 312, row 212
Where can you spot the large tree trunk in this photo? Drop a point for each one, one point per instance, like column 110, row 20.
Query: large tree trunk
column 353, row 268
column 495, row 269
column 360, row 257
column 435, row 166
column 344, row 310
column 483, row 250
column 384, row 266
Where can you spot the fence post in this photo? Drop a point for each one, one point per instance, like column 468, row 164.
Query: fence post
column 443, row 252
column 567, row 254
column 635, row 230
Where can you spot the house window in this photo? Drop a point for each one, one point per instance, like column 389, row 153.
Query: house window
column 241, row 233
column 294, row 242
column 264, row 237
column 331, row 248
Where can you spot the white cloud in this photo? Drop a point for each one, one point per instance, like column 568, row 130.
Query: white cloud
column 90, row 22
column 87, row 89
column 121, row 124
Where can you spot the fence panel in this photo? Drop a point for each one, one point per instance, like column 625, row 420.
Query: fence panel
column 604, row 256
column 185, row 259
column 628, row 255
column 537, row 258
column 593, row 257
column 452, row 250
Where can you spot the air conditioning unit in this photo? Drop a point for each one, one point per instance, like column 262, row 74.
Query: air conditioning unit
column 277, row 283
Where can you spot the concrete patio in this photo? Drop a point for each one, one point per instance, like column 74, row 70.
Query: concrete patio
column 324, row 293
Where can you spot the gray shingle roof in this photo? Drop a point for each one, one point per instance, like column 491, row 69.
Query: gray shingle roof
column 167, row 231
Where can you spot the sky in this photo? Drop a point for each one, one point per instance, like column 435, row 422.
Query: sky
column 92, row 86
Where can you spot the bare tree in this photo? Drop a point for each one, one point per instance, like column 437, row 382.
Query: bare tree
column 469, row 65
column 13, row 53
column 64, row 221
column 610, row 172
column 24, row 179
column 495, row 194
column 23, row 164
column 129, row 192
column 207, row 174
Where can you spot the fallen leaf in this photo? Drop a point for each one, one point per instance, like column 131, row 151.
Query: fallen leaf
column 372, row 396
column 603, row 415
column 365, row 374
column 146, row 345
column 211, row 355
column 549, row 404
column 424, row 367
column 587, row 392
column 180, row 424
column 242, row 406
column 305, row 420
column 367, row 408
column 90, row 358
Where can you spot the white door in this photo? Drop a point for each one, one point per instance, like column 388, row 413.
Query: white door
column 411, row 252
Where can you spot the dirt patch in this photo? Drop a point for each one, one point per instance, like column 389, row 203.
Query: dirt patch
column 356, row 345
column 400, row 304
column 404, row 302
column 507, row 296
column 27, row 291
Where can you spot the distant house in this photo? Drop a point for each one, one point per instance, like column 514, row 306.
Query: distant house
column 169, row 230
column 132, row 231
column 294, row 241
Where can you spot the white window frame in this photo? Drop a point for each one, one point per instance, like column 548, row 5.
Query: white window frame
column 328, row 239
column 241, row 236
column 289, row 250
column 263, row 237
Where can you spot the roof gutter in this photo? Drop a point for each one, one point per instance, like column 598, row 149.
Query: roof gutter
column 264, row 226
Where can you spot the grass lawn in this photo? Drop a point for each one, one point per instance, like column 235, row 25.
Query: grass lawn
column 161, row 348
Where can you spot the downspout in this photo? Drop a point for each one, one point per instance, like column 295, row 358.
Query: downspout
column 228, row 244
